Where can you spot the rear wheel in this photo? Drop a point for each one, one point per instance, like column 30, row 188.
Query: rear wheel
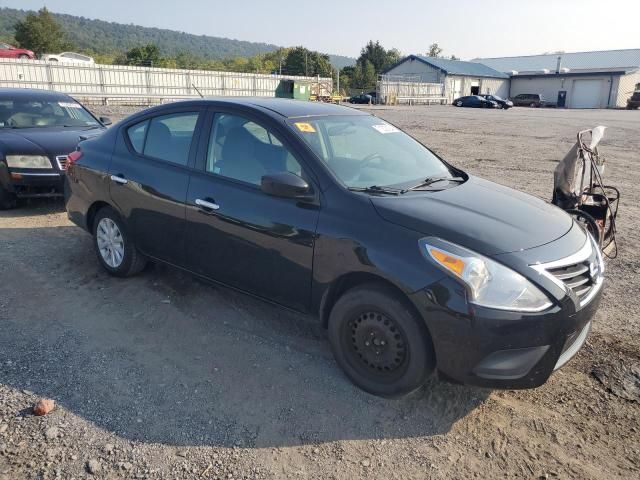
column 115, row 248
column 8, row 199
column 379, row 342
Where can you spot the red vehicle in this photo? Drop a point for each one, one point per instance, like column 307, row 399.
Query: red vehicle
column 9, row 51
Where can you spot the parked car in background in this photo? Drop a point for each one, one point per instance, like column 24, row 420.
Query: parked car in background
column 363, row 98
column 37, row 130
column 475, row 101
column 502, row 103
column 533, row 100
column 410, row 263
column 634, row 101
column 9, row 51
column 68, row 57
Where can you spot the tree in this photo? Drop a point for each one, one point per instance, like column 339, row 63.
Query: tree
column 147, row 55
column 453, row 57
column 41, row 33
column 364, row 76
column 434, row 50
column 374, row 59
column 379, row 57
column 301, row 61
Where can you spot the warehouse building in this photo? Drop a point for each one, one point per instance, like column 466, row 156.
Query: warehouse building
column 604, row 79
column 458, row 78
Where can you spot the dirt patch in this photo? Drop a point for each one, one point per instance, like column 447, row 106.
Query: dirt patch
column 162, row 376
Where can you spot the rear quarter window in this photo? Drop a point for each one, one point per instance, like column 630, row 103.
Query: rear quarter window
column 136, row 134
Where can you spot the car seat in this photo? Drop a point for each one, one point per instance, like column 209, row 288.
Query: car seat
column 238, row 157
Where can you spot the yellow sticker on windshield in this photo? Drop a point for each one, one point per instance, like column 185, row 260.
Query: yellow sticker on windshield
column 305, row 127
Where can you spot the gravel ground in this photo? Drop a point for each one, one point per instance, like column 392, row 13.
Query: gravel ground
column 162, row 376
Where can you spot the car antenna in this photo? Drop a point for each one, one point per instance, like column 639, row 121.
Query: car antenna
column 196, row 89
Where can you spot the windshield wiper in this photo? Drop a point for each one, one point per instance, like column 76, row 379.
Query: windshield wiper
column 377, row 189
column 431, row 180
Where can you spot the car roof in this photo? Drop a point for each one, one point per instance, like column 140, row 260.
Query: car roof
column 31, row 94
column 292, row 108
column 282, row 107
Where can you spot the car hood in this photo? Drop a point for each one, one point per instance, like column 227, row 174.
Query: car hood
column 43, row 141
column 480, row 215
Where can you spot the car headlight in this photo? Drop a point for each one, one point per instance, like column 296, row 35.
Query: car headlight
column 489, row 283
column 28, row 161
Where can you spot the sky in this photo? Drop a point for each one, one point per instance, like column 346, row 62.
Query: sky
column 465, row 28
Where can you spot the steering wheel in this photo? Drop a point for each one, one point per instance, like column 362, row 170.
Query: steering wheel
column 369, row 159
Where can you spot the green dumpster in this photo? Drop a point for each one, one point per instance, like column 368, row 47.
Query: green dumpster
column 293, row 89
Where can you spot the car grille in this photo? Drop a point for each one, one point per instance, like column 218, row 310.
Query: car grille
column 61, row 160
column 581, row 273
column 579, row 278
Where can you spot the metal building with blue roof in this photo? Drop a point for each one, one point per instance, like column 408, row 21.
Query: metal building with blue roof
column 457, row 77
column 602, row 79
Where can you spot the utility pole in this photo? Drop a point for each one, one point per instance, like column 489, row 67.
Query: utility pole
column 280, row 62
column 338, row 81
column 306, row 64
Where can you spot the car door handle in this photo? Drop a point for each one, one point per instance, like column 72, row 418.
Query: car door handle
column 207, row 205
column 119, row 179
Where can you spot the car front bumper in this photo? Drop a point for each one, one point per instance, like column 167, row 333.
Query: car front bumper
column 501, row 349
column 28, row 184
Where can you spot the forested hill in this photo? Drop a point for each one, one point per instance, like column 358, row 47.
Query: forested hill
column 109, row 37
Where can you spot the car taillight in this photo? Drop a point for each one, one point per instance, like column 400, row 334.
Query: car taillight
column 73, row 157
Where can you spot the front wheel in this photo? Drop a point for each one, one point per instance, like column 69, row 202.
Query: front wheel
column 380, row 343
column 23, row 57
column 114, row 246
column 458, row 104
column 8, row 199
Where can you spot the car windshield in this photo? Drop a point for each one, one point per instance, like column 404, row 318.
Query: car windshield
column 364, row 151
column 494, row 97
column 44, row 113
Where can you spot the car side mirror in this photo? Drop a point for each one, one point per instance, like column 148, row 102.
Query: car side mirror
column 286, row 185
column 105, row 121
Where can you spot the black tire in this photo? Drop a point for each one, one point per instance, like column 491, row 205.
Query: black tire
column 23, row 57
column 8, row 200
column 459, row 104
column 589, row 223
column 379, row 342
column 533, row 105
column 133, row 262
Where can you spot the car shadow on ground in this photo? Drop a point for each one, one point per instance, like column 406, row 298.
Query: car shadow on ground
column 166, row 358
column 28, row 207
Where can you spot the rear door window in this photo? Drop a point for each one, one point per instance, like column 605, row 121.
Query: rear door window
column 166, row 137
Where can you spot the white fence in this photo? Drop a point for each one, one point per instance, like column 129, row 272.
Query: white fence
column 125, row 84
column 396, row 89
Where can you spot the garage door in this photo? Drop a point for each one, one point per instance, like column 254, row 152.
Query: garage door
column 586, row 94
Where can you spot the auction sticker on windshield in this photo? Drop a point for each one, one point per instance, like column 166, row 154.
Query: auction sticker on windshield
column 305, row 127
column 385, row 128
column 69, row 105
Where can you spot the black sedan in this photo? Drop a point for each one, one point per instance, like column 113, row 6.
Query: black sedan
column 37, row 130
column 362, row 99
column 410, row 263
column 475, row 101
column 502, row 103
